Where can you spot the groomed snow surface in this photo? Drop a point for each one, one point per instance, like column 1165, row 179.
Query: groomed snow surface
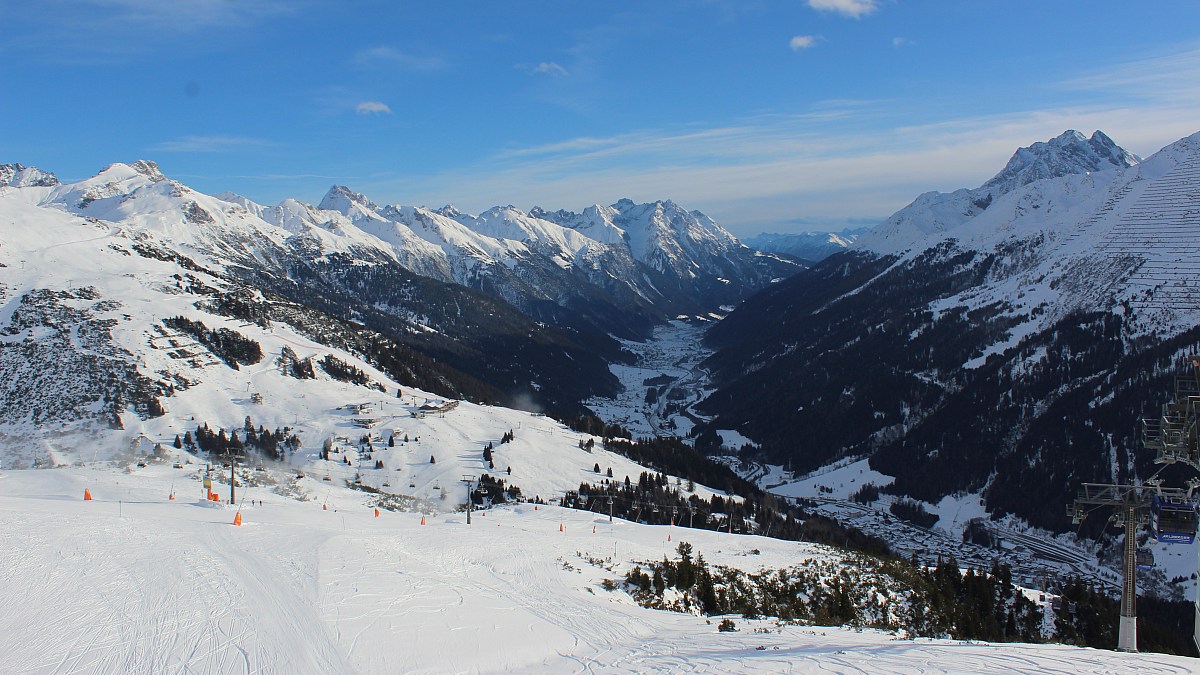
column 132, row 582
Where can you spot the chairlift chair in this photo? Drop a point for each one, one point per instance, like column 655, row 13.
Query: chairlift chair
column 1173, row 519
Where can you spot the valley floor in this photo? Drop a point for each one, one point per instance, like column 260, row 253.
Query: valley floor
column 133, row 582
column 669, row 363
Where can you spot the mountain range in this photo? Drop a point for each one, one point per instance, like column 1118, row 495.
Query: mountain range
column 1001, row 340
column 353, row 355
column 807, row 246
column 985, row 340
column 504, row 307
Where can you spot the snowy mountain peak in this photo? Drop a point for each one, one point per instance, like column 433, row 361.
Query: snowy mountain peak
column 148, row 169
column 508, row 212
column 931, row 216
column 343, row 200
column 1068, row 153
column 596, row 222
column 19, row 175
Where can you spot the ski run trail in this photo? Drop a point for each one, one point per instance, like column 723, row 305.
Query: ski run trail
column 133, row 582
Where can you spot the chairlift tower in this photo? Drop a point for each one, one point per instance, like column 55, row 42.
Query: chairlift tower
column 233, row 460
column 470, row 483
column 1132, row 504
column 1171, row 512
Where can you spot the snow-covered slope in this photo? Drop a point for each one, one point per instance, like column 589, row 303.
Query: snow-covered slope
column 135, row 582
column 1089, row 239
column 93, row 367
column 1074, row 224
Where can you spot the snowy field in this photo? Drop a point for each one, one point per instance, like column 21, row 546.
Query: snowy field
column 132, row 582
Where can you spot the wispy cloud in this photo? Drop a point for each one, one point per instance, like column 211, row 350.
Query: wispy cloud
column 851, row 8
column 762, row 174
column 112, row 31
column 801, row 42
column 901, row 42
column 548, row 68
column 185, row 14
column 1165, row 76
column 209, row 144
column 838, row 162
column 288, row 177
column 390, row 56
column 373, row 108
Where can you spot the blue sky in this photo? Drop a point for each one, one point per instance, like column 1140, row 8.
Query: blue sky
column 767, row 115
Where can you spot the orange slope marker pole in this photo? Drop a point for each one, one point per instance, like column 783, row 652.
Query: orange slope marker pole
column 87, row 495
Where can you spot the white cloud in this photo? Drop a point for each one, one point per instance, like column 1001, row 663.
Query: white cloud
column 208, row 144
column 901, row 42
column 851, row 8
column 802, row 42
column 549, row 68
column 372, row 108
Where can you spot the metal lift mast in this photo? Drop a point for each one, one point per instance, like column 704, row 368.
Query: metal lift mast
column 1174, row 436
column 1132, row 504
